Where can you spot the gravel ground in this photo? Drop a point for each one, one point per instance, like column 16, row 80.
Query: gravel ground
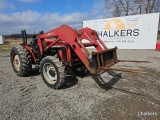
column 109, row 96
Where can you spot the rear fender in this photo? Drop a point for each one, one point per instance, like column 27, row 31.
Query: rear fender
column 30, row 51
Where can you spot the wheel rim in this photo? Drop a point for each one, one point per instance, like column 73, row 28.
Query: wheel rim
column 50, row 73
column 16, row 62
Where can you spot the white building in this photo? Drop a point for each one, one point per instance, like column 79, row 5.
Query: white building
column 1, row 39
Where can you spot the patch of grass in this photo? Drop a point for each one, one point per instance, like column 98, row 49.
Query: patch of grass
column 5, row 48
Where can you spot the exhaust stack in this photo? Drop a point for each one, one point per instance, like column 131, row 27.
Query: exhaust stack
column 24, row 36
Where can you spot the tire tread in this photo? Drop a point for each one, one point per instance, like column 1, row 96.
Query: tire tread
column 25, row 58
column 61, row 70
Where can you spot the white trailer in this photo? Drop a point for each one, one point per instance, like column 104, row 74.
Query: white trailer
column 129, row 32
column 1, row 39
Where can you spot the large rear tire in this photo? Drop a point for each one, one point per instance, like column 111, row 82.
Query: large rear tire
column 52, row 72
column 21, row 61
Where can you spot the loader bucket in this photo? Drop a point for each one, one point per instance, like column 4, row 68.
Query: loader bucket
column 103, row 60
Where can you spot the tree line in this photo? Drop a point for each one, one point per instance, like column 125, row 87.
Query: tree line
column 17, row 36
column 131, row 7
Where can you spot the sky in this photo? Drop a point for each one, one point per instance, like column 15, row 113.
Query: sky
column 38, row 15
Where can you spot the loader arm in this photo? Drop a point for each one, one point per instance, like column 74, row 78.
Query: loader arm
column 64, row 35
column 74, row 39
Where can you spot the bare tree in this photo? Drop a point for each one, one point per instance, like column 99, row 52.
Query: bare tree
column 117, row 11
column 148, row 6
column 131, row 7
column 120, row 7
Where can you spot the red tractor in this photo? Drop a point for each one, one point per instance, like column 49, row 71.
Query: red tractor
column 61, row 49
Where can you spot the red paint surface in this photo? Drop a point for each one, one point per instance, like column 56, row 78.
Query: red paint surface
column 158, row 46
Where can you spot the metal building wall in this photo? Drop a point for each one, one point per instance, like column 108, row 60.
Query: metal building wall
column 145, row 27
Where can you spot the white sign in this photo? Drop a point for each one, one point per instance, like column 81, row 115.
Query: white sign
column 129, row 32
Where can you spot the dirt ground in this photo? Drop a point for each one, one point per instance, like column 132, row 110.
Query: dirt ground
column 108, row 96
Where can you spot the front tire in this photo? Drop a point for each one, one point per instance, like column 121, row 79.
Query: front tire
column 21, row 61
column 52, row 72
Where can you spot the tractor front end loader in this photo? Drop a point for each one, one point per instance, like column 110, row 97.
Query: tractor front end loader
column 61, row 49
